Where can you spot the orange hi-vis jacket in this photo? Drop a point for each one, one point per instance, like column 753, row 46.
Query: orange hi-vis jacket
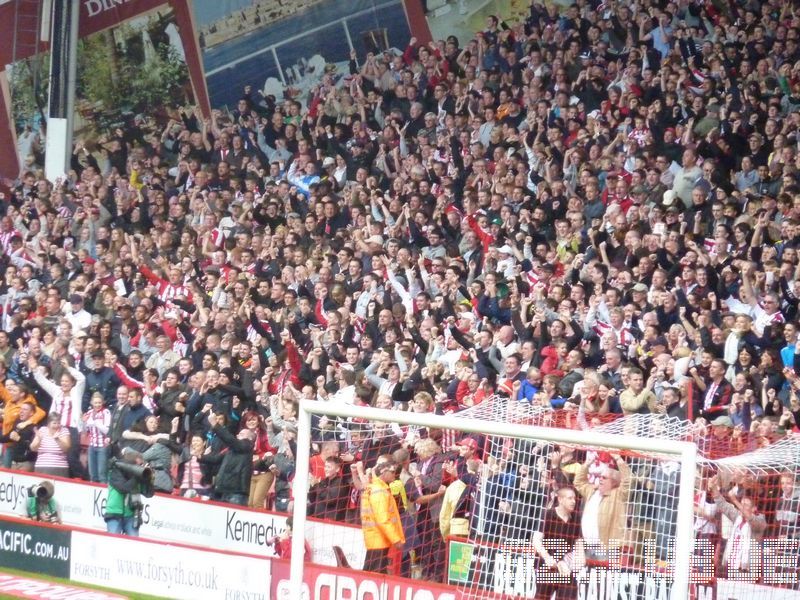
column 380, row 519
column 11, row 409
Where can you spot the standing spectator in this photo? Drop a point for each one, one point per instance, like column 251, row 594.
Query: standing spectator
column 194, row 477
column 19, row 438
column 100, row 379
column 52, row 444
column 67, row 398
column 76, row 314
column 748, row 526
column 604, row 513
column 559, row 544
column 96, row 423
column 13, row 396
column 164, row 358
column 787, row 510
column 459, row 499
column 718, row 392
column 638, row 397
column 232, row 483
column 426, row 489
column 328, row 496
column 380, row 519
column 262, row 478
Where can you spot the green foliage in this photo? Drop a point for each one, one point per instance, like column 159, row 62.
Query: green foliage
column 28, row 84
column 116, row 80
column 96, row 73
column 107, row 76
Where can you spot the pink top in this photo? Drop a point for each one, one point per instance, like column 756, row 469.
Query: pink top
column 192, row 475
column 50, row 455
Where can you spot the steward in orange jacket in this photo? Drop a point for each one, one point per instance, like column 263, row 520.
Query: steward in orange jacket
column 380, row 519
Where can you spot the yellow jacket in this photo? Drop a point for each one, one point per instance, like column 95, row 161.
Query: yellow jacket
column 452, row 497
column 380, row 519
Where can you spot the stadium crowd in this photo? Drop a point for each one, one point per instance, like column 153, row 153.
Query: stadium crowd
column 594, row 211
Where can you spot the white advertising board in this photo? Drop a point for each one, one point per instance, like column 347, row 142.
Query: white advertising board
column 135, row 565
column 178, row 520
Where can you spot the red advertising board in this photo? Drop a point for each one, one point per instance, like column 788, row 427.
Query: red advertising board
column 327, row 583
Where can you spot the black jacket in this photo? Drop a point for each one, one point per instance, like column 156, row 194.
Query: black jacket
column 103, row 380
column 20, row 450
column 328, row 499
column 235, row 463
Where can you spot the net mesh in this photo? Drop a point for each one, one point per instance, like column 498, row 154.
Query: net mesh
column 495, row 514
column 488, row 515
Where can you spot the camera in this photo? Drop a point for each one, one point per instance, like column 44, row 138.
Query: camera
column 42, row 491
column 137, row 506
column 144, row 475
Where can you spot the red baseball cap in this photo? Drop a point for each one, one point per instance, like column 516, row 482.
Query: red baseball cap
column 469, row 443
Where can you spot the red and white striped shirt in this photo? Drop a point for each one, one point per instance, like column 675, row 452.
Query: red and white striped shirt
column 217, row 237
column 166, row 291
column 622, row 336
column 5, row 239
column 97, row 423
column 69, row 406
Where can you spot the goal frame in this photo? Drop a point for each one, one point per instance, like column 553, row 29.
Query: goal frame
column 683, row 451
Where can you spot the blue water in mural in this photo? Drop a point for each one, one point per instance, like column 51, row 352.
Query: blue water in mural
column 225, row 86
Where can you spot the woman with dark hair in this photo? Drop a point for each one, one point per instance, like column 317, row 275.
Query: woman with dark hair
column 156, row 449
column 52, row 442
column 263, row 453
column 742, row 234
column 108, row 339
column 745, row 363
column 194, row 477
column 769, row 367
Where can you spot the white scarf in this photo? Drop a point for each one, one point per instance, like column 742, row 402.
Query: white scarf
column 731, row 348
column 737, row 551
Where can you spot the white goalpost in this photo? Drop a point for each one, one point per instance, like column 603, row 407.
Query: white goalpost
column 682, row 452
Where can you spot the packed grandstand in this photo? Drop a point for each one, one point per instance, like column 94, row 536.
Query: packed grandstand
column 588, row 219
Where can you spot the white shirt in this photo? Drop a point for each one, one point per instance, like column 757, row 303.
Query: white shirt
column 80, row 320
column 737, row 550
column 346, row 395
column 704, row 523
column 590, row 523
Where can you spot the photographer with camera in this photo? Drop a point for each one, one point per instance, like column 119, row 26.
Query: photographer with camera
column 41, row 503
column 129, row 479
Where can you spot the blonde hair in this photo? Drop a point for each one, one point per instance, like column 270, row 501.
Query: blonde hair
column 425, row 448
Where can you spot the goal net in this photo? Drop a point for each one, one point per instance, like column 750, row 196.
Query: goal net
column 748, row 545
column 503, row 500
